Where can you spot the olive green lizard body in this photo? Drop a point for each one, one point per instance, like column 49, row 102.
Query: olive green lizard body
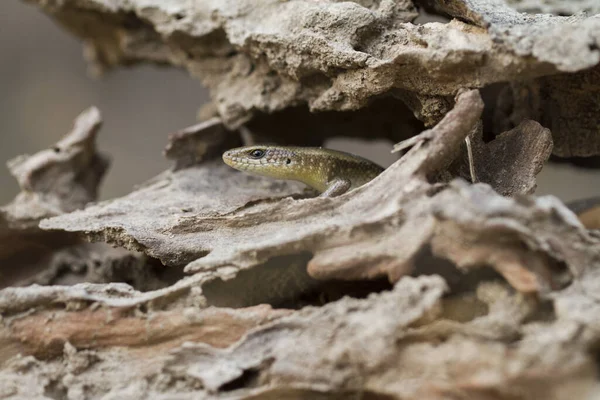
column 330, row 172
column 333, row 172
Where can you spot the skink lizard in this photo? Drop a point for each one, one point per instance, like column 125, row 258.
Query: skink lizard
column 330, row 172
column 333, row 173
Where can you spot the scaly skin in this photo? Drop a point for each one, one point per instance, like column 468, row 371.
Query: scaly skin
column 334, row 172
column 330, row 172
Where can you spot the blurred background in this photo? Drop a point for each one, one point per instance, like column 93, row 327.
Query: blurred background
column 44, row 86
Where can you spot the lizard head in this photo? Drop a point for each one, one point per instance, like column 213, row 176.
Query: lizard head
column 273, row 161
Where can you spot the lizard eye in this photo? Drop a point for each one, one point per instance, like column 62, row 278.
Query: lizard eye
column 257, row 153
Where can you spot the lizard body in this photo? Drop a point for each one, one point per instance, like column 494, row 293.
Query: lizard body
column 330, row 172
column 333, row 172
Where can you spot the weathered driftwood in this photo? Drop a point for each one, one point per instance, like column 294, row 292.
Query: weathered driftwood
column 393, row 219
column 412, row 224
column 249, row 303
column 56, row 181
column 265, row 56
column 53, row 181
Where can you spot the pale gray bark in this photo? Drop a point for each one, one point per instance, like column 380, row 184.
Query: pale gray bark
column 225, row 285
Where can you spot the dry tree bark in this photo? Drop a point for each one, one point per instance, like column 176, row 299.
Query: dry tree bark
column 224, row 285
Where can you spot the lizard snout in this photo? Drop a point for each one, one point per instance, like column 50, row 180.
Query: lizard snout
column 232, row 158
column 227, row 156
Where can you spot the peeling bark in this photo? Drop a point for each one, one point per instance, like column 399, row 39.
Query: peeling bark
column 52, row 182
column 223, row 285
column 268, row 56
